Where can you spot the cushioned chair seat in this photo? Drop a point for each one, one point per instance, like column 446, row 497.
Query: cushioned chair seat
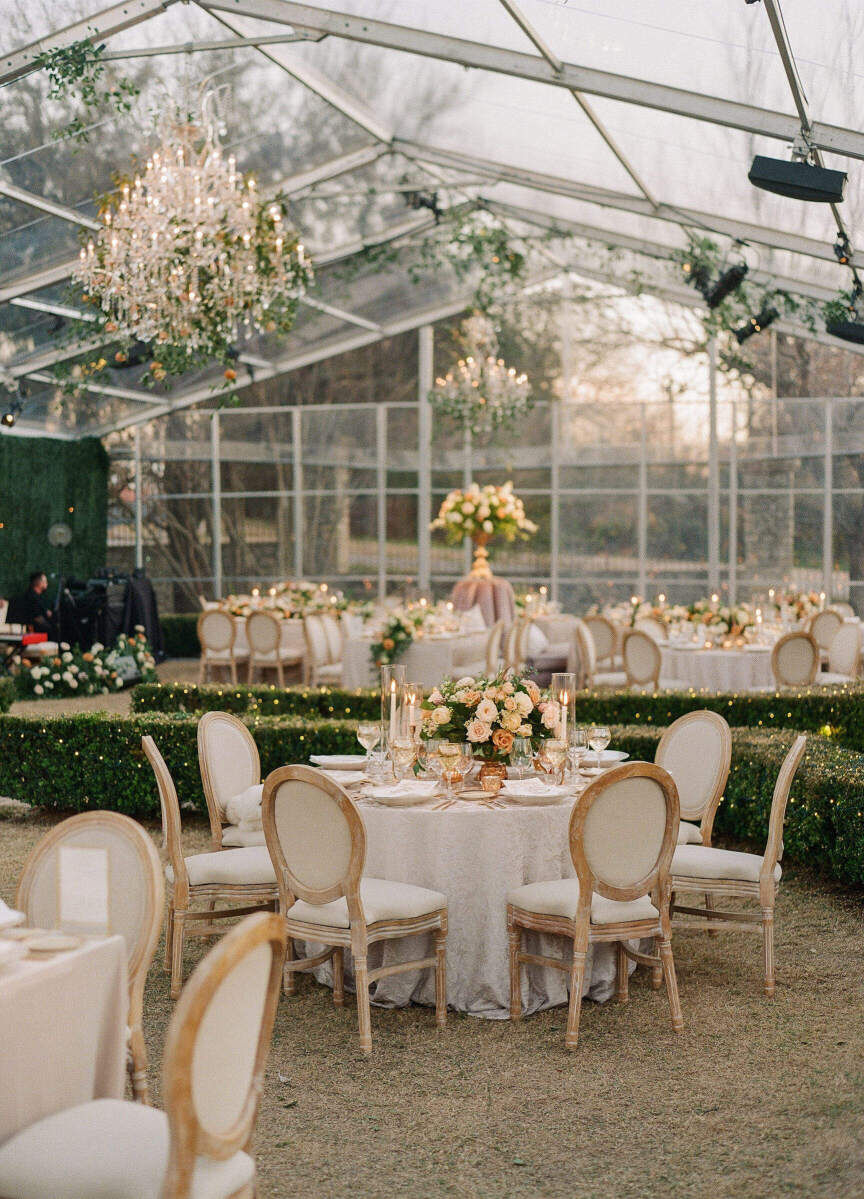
column 381, row 900
column 701, row 861
column 825, row 678
column 106, row 1149
column 220, row 656
column 689, row 834
column 330, row 670
column 610, row 678
column 560, row 897
column 233, row 836
column 248, row 865
column 283, row 654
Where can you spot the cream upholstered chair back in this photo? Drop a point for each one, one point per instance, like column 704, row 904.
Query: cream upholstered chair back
column 216, row 632
column 641, row 658
column 647, row 624
column 795, row 660
column 315, row 836
column 845, row 609
column 622, row 831
column 229, row 762
column 844, row 653
column 513, row 642
column 787, row 772
column 217, row 1046
column 170, row 805
column 605, row 636
column 587, row 652
column 696, row 749
column 263, row 632
column 316, row 641
column 824, row 626
column 333, row 637
column 493, row 647
column 98, row 872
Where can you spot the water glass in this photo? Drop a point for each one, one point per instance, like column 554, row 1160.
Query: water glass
column 598, row 738
column 455, row 760
column 522, row 757
column 577, row 749
column 553, row 754
column 368, row 734
column 403, row 753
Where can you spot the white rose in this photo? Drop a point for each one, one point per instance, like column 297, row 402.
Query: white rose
column 525, row 730
column 467, row 508
column 523, row 703
column 38, row 689
column 478, row 731
column 118, row 683
column 73, row 683
column 466, row 681
column 67, row 657
column 65, row 645
column 441, row 715
column 488, row 526
column 436, row 697
column 511, row 721
column 486, row 711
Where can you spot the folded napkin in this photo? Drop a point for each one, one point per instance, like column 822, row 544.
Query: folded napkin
column 244, row 810
column 9, row 917
column 346, row 778
column 415, row 787
column 528, row 787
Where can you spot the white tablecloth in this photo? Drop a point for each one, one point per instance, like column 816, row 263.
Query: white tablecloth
column 427, row 660
column 718, row 670
column 62, row 1032
column 475, row 856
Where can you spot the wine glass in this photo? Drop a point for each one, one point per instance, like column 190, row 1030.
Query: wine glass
column 598, row 738
column 454, row 760
column 577, row 749
column 368, row 734
column 522, row 757
column 553, row 754
column 402, row 753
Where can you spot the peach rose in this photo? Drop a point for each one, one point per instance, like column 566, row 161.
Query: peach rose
column 486, row 711
column 471, row 697
column 478, row 731
column 388, row 643
column 551, row 715
column 533, row 691
column 502, row 740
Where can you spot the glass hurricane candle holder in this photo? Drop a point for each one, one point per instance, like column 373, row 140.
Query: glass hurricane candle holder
column 392, row 682
column 563, row 691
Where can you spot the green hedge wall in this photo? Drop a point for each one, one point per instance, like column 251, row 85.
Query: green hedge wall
column 7, row 694
column 836, row 711
column 77, row 763
column 40, row 480
column 328, row 702
column 180, row 635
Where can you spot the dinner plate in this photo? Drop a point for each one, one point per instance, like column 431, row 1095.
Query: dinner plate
column 401, row 796
column 339, row 761
column 608, row 757
column 53, row 943
column 538, row 795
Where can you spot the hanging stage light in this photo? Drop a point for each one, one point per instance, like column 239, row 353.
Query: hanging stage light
column 851, row 329
column 842, row 249
column 799, row 180
column 731, row 279
column 756, row 324
column 11, row 414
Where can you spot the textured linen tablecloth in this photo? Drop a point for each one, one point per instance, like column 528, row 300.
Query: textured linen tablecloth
column 427, row 660
column 475, row 855
column 718, row 670
column 62, row 1032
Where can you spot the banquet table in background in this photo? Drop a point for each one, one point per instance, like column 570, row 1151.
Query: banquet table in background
column 475, row 855
column 427, row 659
column 62, row 1032
column 720, row 670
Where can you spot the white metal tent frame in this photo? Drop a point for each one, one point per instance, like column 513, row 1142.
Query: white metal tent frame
column 313, row 24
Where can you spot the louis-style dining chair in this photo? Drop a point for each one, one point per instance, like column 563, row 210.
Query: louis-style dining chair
column 606, row 639
column 653, row 627
column 200, row 1147
column 320, row 668
column 267, row 650
column 696, row 749
column 823, row 627
column 217, row 636
column 622, row 835
column 844, row 608
column 99, row 872
column 749, row 876
column 642, row 660
column 317, row 841
column 229, row 763
column 513, row 652
column 493, row 648
column 844, row 655
column 586, row 653
column 795, row 660
column 229, row 876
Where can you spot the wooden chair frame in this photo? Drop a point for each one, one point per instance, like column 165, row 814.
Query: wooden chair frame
column 282, row 657
column 613, row 637
column 360, row 935
column 705, row 815
column 513, row 648
column 492, row 652
column 816, row 619
column 203, row 664
column 856, row 660
column 181, row 894
column 775, row 653
column 311, row 666
column 188, row 1139
column 214, row 811
column 654, row 678
column 764, row 892
column 582, row 933
column 140, row 959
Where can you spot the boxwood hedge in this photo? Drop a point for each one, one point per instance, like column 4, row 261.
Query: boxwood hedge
column 82, row 762
column 326, row 702
column 180, row 635
column 7, row 694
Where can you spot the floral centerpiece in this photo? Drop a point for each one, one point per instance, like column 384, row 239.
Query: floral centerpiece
column 396, row 634
column 73, row 671
column 482, row 513
column 799, row 604
column 490, row 713
column 722, row 619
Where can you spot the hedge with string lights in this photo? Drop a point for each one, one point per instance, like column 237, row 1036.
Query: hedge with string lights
column 94, row 761
column 329, row 703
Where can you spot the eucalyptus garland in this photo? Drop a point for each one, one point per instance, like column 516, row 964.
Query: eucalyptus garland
column 78, row 72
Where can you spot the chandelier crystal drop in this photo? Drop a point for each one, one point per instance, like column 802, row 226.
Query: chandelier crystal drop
column 190, row 257
column 481, row 393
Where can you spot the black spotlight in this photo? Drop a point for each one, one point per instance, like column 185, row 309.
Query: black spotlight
column 756, row 324
column 11, row 414
column 798, row 180
column 842, row 249
column 420, row 199
column 851, row 329
column 731, row 279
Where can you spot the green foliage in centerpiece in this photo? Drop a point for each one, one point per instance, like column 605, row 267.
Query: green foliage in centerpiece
column 483, row 512
column 490, row 713
column 396, row 635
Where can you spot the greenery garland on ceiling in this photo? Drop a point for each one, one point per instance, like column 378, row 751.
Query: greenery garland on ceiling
column 78, row 72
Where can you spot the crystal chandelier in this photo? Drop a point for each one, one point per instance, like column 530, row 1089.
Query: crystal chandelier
column 190, row 258
column 481, row 393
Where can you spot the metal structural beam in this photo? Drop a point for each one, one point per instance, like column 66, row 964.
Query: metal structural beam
column 119, row 393
column 54, row 309
column 713, row 109
column 100, row 25
column 45, row 205
column 350, row 318
column 199, row 47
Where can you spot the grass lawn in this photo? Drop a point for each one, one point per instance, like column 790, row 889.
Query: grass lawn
column 754, row 1098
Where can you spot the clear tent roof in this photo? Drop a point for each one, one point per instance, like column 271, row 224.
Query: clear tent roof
column 665, row 106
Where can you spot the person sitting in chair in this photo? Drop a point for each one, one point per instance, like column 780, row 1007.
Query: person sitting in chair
column 31, row 608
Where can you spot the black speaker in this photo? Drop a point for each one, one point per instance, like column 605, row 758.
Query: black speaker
column 798, row 180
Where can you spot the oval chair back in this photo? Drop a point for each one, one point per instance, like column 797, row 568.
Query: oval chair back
column 493, row 647
column 844, row 652
column 605, row 637
column 172, row 844
column 647, row 624
column 263, row 633
column 587, row 652
column 217, row 1047
column 229, row 763
column 845, row 609
column 513, row 645
column 774, row 845
column 315, row 836
column 824, row 626
column 316, row 642
column 216, row 632
column 622, row 832
column 125, row 894
column 795, row 660
column 333, row 637
column 641, row 659
column 696, row 749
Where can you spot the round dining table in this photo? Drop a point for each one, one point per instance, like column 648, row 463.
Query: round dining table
column 744, row 668
column 427, row 659
column 475, row 854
